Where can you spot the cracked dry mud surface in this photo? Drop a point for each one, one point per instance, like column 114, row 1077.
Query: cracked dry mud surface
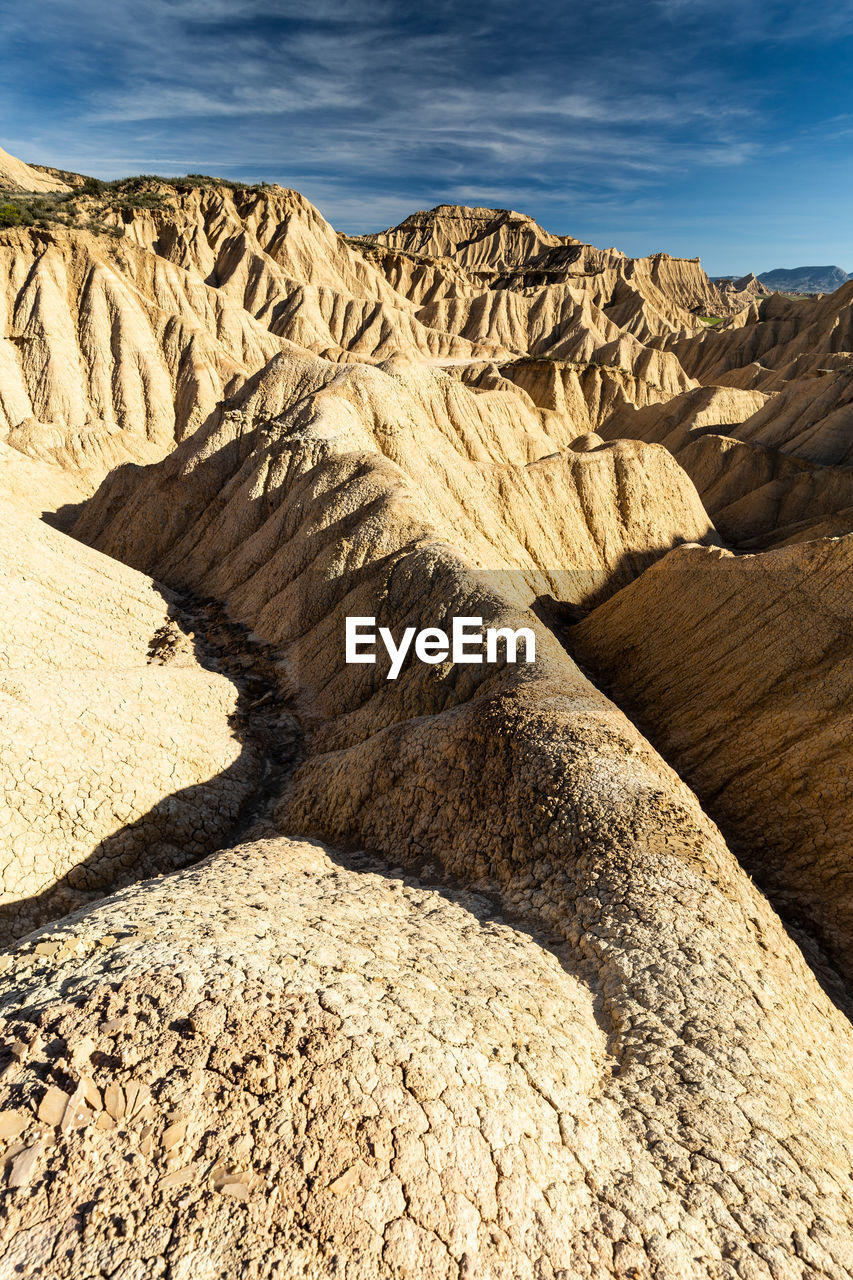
column 289, row 1061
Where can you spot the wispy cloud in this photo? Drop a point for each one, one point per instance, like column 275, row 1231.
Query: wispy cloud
column 771, row 22
column 373, row 107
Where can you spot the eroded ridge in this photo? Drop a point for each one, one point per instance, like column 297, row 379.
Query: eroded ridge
column 548, row 1027
column 529, row 785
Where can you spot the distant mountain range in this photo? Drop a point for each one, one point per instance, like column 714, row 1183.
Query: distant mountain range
column 805, row 279
column 790, row 280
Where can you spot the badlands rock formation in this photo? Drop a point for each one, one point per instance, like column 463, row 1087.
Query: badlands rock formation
column 767, row 438
column 450, row 975
column 750, row 283
column 499, row 250
column 119, row 752
column 768, row 743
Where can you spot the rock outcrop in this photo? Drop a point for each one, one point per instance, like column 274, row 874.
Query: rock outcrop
column 767, row 467
column 15, row 175
column 772, row 342
column 465, row 1151
column 748, row 286
column 289, row 1059
column 477, row 470
column 741, row 671
column 507, row 253
column 121, row 756
column 123, row 334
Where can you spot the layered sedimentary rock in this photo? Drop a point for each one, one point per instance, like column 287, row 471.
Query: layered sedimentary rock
column 118, row 344
column 778, row 339
column 589, row 391
column 478, row 470
column 767, row 467
column 759, row 497
column 530, row 786
column 750, row 285
column 109, row 352
column 276, row 257
column 479, row 238
column 507, row 252
column 810, row 418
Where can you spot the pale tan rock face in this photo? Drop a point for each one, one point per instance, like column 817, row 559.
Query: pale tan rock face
column 37, row 487
column 471, row 985
column 748, row 286
column 15, row 175
column 768, row 468
column 777, row 386
column 115, row 348
column 112, row 767
column 477, row 470
column 384, row 1058
column 780, row 338
column 110, row 354
column 526, row 784
column 741, row 669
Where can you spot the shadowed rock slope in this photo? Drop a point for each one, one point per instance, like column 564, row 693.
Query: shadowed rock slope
column 504, row 249
column 478, row 471
column 289, row 1061
column 119, row 758
column 774, row 341
column 116, row 345
column 756, row 494
column 741, row 670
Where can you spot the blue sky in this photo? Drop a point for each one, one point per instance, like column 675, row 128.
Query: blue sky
column 722, row 128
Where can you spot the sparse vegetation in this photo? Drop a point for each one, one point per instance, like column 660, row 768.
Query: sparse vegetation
column 711, row 321
column 91, row 207
column 98, row 206
column 10, row 215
